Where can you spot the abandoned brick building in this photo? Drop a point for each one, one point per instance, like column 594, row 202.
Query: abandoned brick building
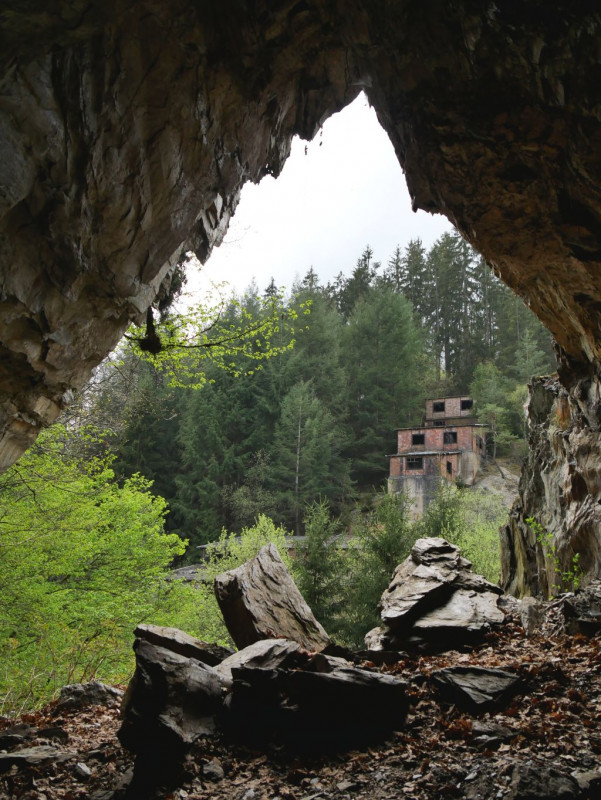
column 449, row 445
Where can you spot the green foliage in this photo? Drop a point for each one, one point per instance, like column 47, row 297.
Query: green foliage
column 82, row 561
column 469, row 518
column 382, row 540
column 376, row 343
column 496, row 397
column 320, row 565
column 382, row 347
column 307, row 459
column 225, row 332
column 568, row 579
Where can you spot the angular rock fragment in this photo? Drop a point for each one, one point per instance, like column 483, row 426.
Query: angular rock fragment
column 264, row 654
column 532, row 614
column 467, row 611
column 171, row 701
column 179, row 642
column 582, row 610
column 434, row 600
column 259, row 600
column 33, row 757
column 488, row 735
column 531, row 781
column 476, row 689
column 79, row 695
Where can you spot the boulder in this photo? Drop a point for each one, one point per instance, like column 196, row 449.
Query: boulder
column 325, row 703
column 179, row 642
column 171, row 701
column 582, row 610
column 79, row 695
column 434, row 600
column 530, row 781
column 260, row 600
column 524, row 780
column 476, row 689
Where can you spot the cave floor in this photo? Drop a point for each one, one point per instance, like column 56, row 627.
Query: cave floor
column 552, row 729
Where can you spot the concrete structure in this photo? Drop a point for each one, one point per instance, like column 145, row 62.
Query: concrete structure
column 449, row 445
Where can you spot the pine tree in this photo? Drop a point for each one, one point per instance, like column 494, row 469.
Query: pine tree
column 306, row 456
column 382, row 356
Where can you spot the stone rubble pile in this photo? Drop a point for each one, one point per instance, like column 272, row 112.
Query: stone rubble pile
column 435, row 602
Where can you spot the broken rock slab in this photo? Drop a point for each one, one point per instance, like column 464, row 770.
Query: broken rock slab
column 476, row 689
column 171, row 701
column 267, row 654
column 259, row 600
column 179, row 642
column 323, row 703
column 80, row 695
column 435, row 601
column 33, row 757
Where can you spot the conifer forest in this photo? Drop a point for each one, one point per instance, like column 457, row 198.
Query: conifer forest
column 252, row 420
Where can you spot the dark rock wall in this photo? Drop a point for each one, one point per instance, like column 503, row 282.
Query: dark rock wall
column 128, row 129
column 560, row 488
column 126, row 133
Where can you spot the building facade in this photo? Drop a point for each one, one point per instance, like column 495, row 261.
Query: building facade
column 450, row 445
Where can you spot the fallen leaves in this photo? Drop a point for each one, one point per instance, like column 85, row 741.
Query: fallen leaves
column 440, row 752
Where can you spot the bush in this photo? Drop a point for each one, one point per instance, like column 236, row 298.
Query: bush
column 469, row 518
column 83, row 561
column 382, row 540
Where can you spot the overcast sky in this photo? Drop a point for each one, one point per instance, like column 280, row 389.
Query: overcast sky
column 336, row 194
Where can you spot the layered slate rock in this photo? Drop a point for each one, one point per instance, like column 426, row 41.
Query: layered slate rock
column 476, row 689
column 260, row 600
column 40, row 755
column 435, row 600
column 271, row 691
column 266, row 654
column 171, row 701
column 182, row 643
column 560, row 487
column 80, row 695
column 324, row 702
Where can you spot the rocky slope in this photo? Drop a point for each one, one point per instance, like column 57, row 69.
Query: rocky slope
column 548, row 739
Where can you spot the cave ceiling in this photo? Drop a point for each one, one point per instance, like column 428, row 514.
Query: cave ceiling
column 127, row 130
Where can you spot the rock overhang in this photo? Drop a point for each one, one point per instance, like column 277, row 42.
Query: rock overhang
column 127, row 133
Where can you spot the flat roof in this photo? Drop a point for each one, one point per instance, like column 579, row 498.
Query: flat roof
column 449, row 397
column 436, row 427
column 428, row 453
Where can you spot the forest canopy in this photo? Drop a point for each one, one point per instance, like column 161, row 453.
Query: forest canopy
column 317, row 422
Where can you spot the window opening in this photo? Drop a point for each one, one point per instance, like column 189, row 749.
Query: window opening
column 450, row 437
column 418, row 438
column 466, row 404
column 449, row 468
column 415, row 462
column 438, row 407
column 439, row 423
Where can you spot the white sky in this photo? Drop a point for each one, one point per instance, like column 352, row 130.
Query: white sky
column 335, row 195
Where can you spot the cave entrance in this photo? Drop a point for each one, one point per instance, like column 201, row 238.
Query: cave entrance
column 336, row 194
